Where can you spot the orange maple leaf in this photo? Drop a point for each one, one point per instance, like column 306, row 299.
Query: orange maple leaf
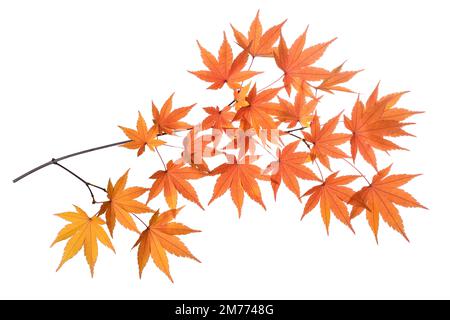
column 254, row 115
column 259, row 44
column 161, row 237
column 122, row 203
column 173, row 180
column 335, row 79
column 238, row 176
column 225, row 69
column 142, row 137
column 289, row 167
column 381, row 197
column 168, row 121
column 296, row 62
column 220, row 119
column 240, row 96
column 301, row 112
column 333, row 196
column 83, row 231
column 371, row 123
column 324, row 140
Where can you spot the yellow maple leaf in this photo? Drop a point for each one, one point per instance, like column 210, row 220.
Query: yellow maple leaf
column 161, row 237
column 122, row 203
column 142, row 136
column 83, row 231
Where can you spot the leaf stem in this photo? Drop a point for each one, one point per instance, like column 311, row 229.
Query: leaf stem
column 320, row 170
column 249, row 68
column 160, row 158
column 251, row 63
column 137, row 217
column 359, row 171
column 309, row 147
column 272, row 83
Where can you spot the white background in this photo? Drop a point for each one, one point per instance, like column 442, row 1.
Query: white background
column 70, row 72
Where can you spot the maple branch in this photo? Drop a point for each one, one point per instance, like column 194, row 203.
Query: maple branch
column 42, row 166
column 295, row 130
column 298, row 137
column 46, row 164
column 87, row 184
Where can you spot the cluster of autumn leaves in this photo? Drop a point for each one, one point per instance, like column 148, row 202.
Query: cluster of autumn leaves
column 255, row 112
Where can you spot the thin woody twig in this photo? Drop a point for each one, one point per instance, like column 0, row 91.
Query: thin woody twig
column 46, row 164
column 295, row 136
column 295, row 130
column 87, row 184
